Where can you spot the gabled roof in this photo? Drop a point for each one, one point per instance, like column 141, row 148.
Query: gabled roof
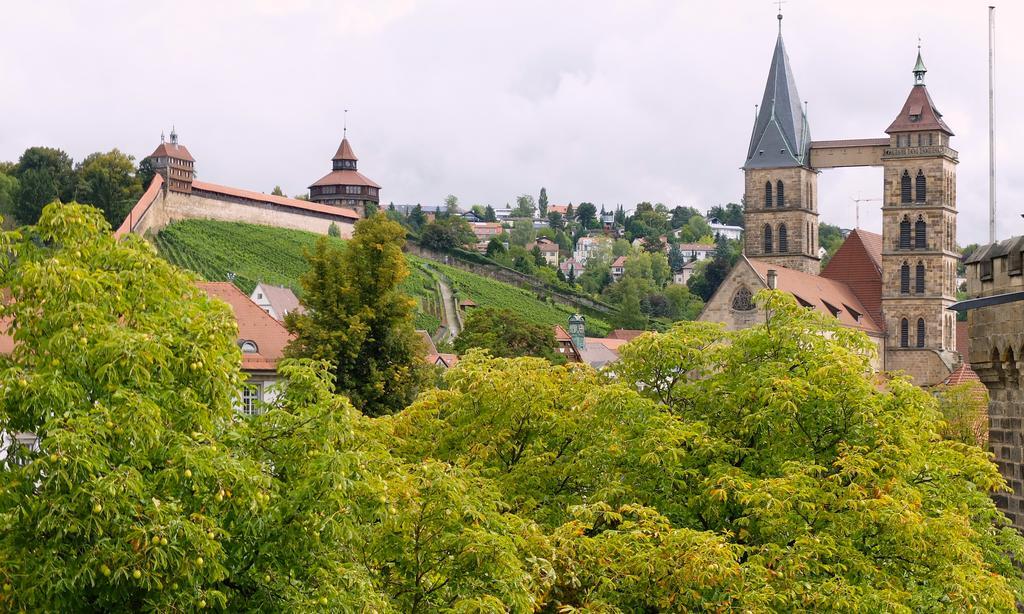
column 781, row 136
column 345, row 151
column 428, row 343
column 282, row 300
column 619, row 262
column 626, row 334
column 858, row 264
column 172, row 150
column 819, row 293
column 254, row 325
column 962, row 375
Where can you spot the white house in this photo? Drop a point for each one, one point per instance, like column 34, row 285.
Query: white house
column 729, row 232
column 618, row 268
column 696, row 251
column 278, row 301
column 590, row 246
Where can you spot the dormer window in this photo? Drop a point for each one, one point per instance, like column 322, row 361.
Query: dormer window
column 248, row 346
column 832, row 309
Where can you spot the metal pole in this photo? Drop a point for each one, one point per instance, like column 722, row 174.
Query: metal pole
column 991, row 131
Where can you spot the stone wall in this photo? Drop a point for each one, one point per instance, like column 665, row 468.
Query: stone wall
column 996, row 347
column 169, row 207
column 799, row 214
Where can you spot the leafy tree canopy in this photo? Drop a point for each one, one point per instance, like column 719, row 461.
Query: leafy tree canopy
column 45, row 174
column 109, row 181
column 506, row 334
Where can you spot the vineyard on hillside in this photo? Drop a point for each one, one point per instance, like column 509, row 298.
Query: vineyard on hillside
column 275, row 256
column 486, row 292
column 265, row 254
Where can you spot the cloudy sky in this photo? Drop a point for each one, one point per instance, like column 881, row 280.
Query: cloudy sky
column 611, row 102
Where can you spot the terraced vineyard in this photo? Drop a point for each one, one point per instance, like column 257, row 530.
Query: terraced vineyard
column 487, row 292
column 272, row 255
column 275, row 255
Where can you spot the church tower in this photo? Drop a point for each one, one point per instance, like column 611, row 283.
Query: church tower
column 919, row 254
column 780, row 194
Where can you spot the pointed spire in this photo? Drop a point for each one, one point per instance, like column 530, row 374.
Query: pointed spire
column 345, row 151
column 919, row 68
column 174, row 136
column 781, row 137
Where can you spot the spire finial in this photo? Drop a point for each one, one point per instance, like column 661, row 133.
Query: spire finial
column 780, row 3
column 161, row 136
column 344, row 125
column 174, row 135
column 919, row 68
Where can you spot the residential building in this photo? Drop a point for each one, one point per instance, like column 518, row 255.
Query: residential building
column 618, row 268
column 485, row 231
column 277, row 301
column 548, row 250
column 696, row 251
column 683, row 275
column 570, row 268
column 345, row 186
column 588, row 246
column 732, row 233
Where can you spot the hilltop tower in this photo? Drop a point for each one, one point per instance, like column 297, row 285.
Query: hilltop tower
column 174, row 163
column 919, row 254
column 780, row 194
column 345, row 186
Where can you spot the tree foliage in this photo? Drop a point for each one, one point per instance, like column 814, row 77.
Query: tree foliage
column 44, row 174
column 505, row 334
column 358, row 319
column 109, row 181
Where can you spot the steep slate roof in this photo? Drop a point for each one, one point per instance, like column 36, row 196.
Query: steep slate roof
column 254, row 324
column 172, row 150
column 858, row 264
column 918, row 112
column 781, row 136
column 345, row 151
column 815, row 291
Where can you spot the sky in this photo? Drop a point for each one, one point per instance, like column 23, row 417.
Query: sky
column 608, row 102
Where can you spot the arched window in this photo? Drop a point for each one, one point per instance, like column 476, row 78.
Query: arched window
column 248, row 347
column 780, row 197
column 807, row 243
column 920, row 233
column 919, row 278
column 905, row 278
column 767, row 194
column 767, row 239
column 783, row 239
column 743, row 300
column 920, row 332
column 905, row 187
column 919, row 187
column 904, row 333
column 905, row 233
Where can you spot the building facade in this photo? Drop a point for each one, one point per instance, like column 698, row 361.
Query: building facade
column 345, row 186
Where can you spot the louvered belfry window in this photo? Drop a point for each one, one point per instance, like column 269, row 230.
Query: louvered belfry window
column 767, row 194
column 767, row 239
column 905, row 187
column 905, row 233
column 920, row 233
column 919, row 278
column 780, row 194
column 920, row 332
column 920, row 187
column 904, row 333
column 783, row 239
column 905, row 278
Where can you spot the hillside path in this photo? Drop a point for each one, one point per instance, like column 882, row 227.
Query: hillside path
column 451, row 310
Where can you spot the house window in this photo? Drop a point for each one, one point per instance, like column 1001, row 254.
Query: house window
column 768, row 194
column 920, row 332
column 353, row 189
column 780, row 200
column 767, row 239
column 248, row 347
column 329, row 189
column 905, row 187
column 783, row 238
column 905, row 233
column 920, row 186
column 920, row 233
column 252, row 396
column 743, row 300
column 905, row 278
column 904, row 333
column 919, row 278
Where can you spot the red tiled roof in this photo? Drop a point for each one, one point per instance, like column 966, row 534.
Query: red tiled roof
column 281, row 201
column 560, row 334
column 962, row 375
column 172, row 150
column 140, row 207
column 619, row 262
column 696, row 247
column 816, row 291
column 858, row 264
column 467, row 302
column 282, row 299
column 346, row 177
column 558, row 209
column 345, row 151
column 626, row 334
column 254, row 324
column 608, row 342
column 919, row 103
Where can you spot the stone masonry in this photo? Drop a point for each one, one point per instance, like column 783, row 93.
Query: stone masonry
column 798, row 212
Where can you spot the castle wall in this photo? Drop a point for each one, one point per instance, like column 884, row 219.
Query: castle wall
column 169, row 207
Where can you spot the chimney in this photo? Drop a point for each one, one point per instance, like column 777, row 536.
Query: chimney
column 772, row 276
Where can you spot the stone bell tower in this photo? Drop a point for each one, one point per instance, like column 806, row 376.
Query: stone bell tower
column 919, row 255
column 780, row 193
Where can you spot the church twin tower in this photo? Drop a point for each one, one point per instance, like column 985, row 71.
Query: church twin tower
column 919, row 254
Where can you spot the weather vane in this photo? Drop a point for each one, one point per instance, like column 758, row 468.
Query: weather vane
column 344, row 125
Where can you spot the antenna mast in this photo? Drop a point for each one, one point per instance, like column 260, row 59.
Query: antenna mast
column 991, row 130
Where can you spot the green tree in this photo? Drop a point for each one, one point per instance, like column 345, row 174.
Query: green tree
column 682, row 215
column 358, row 318
column 525, row 206
column 109, row 182
column 489, row 215
column 831, row 238
column 620, row 216
column 706, row 279
column 730, row 215
column 542, row 203
column 417, row 219
column 44, row 174
column 555, row 220
column 495, row 248
column 334, row 231
column 451, row 204
column 630, row 315
column 447, row 233
column 586, row 215
column 146, row 172
column 685, row 304
column 8, row 197
column 277, row 191
column 522, row 232
column 505, row 334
